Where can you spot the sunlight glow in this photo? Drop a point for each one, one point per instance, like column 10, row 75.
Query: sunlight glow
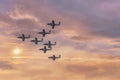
column 17, row 51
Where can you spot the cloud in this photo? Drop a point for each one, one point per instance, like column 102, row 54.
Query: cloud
column 99, row 20
column 87, row 31
column 4, row 65
column 91, row 70
column 79, row 24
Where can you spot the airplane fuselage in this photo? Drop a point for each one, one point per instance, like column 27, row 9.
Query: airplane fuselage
column 23, row 37
column 54, row 57
column 53, row 24
column 44, row 33
column 45, row 49
column 49, row 44
column 36, row 41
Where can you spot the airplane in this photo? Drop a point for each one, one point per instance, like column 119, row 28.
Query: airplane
column 43, row 33
column 54, row 57
column 23, row 37
column 53, row 24
column 49, row 44
column 45, row 49
column 36, row 41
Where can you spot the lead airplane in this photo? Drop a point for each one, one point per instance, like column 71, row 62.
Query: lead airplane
column 43, row 33
column 36, row 41
column 45, row 49
column 53, row 24
column 49, row 44
column 54, row 57
column 23, row 37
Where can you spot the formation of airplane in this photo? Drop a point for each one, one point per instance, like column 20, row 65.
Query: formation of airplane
column 53, row 24
column 53, row 57
column 36, row 41
column 23, row 37
column 49, row 44
column 43, row 33
column 45, row 49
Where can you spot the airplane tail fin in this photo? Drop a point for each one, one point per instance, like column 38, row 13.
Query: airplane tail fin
column 55, row 43
column 38, row 32
column 40, row 49
column 43, row 30
column 50, row 48
column 18, row 37
column 59, row 56
column 59, row 23
column 42, row 40
column 49, row 31
column 28, row 36
column 48, row 23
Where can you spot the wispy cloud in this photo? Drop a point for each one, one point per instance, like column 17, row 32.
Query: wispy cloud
column 4, row 65
column 87, row 39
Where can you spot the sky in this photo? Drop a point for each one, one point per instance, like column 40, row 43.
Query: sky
column 88, row 39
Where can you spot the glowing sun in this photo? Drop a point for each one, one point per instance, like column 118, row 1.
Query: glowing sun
column 17, row 51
